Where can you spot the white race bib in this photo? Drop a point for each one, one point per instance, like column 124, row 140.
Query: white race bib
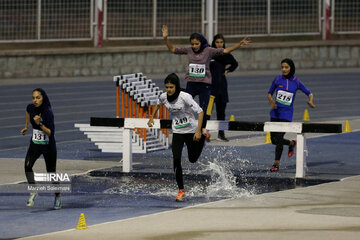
column 197, row 70
column 181, row 122
column 39, row 137
column 284, row 97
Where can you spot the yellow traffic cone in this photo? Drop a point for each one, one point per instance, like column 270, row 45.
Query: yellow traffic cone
column 347, row 126
column 306, row 116
column 268, row 138
column 82, row 223
column 232, row 118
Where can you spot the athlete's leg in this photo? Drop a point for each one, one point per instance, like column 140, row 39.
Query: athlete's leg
column 192, row 88
column 31, row 156
column 204, row 96
column 220, row 113
column 220, row 108
column 277, row 138
column 50, row 162
column 177, row 147
column 194, row 147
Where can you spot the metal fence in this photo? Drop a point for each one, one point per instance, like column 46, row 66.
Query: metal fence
column 345, row 17
column 45, row 20
column 62, row 20
column 269, row 18
column 141, row 19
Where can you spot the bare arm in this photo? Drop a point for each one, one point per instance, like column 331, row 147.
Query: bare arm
column 197, row 134
column 27, row 120
column 310, row 101
column 243, row 42
column 271, row 101
column 151, row 120
column 165, row 34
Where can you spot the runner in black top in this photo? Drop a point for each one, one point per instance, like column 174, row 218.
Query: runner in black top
column 42, row 142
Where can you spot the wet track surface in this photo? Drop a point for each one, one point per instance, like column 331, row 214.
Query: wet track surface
column 222, row 172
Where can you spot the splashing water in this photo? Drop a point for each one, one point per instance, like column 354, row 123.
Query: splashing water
column 220, row 181
column 223, row 182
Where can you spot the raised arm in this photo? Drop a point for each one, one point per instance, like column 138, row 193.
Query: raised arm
column 243, row 42
column 165, row 34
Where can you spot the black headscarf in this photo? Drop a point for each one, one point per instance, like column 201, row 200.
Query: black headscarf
column 174, row 79
column 203, row 42
column 292, row 67
column 46, row 102
column 216, row 37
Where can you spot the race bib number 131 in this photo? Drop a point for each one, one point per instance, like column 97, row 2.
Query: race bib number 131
column 39, row 137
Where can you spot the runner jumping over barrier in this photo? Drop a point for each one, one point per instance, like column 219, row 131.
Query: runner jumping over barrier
column 291, row 127
column 285, row 86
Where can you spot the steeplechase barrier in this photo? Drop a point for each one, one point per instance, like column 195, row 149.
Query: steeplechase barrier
column 290, row 127
column 136, row 95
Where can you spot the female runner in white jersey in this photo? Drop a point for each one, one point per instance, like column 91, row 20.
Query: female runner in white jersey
column 186, row 129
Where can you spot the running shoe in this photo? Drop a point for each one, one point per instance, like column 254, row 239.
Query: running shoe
column 180, row 196
column 291, row 149
column 207, row 135
column 57, row 203
column 30, row 202
column 274, row 168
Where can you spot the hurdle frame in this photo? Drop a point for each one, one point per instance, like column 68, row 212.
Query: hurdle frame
column 289, row 127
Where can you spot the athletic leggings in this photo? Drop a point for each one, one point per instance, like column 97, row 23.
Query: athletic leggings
column 220, row 110
column 203, row 90
column 277, row 138
column 194, row 151
column 32, row 155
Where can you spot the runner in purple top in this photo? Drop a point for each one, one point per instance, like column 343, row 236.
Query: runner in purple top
column 198, row 76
